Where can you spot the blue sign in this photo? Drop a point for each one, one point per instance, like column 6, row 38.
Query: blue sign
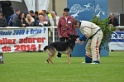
column 101, row 8
column 81, row 9
column 86, row 10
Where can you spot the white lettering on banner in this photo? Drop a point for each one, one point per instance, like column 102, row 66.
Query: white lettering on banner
column 23, row 39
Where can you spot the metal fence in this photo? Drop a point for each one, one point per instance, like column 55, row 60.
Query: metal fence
column 52, row 35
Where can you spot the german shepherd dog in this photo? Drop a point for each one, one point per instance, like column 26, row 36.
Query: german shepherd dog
column 61, row 47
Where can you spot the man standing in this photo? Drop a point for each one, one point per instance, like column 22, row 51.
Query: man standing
column 65, row 26
column 55, row 19
column 15, row 17
column 94, row 35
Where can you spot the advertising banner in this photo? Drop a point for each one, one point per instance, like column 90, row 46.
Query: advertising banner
column 117, row 41
column 23, row 39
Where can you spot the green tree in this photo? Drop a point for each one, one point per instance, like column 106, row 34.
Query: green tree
column 104, row 25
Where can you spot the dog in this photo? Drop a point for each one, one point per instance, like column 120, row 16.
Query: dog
column 61, row 47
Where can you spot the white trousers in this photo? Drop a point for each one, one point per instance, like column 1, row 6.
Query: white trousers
column 92, row 47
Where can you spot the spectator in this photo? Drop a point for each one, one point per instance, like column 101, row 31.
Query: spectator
column 7, row 9
column 41, row 21
column 30, row 20
column 40, row 12
column 31, row 12
column 65, row 26
column 21, row 20
column 3, row 21
column 46, row 18
column 113, row 21
column 15, row 17
column 44, row 13
column 55, row 19
column 36, row 16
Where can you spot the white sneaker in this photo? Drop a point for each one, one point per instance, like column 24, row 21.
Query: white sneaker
column 94, row 63
column 83, row 62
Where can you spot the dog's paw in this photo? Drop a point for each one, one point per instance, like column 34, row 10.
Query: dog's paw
column 47, row 61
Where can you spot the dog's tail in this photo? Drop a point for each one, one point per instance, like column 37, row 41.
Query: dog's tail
column 45, row 48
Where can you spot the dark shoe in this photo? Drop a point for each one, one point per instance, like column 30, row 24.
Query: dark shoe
column 88, row 59
column 86, row 62
column 59, row 55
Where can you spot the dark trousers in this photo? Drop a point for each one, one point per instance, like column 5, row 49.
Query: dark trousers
column 62, row 39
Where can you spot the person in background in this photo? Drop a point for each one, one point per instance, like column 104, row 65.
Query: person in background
column 46, row 18
column 3, row 21
column 31, row 12
column 55, row 19
column 65, row 27
column 21, row 22
column 7, row 9
column 93, row 34
column 44, row 13
column 30, row 20
column 36, row 17
column 112, row 20
column 41, row 21
column 49, row 15
column 40, row 12
column 15, row 17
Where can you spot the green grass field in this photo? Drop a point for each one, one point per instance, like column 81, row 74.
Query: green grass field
column 31, row 67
